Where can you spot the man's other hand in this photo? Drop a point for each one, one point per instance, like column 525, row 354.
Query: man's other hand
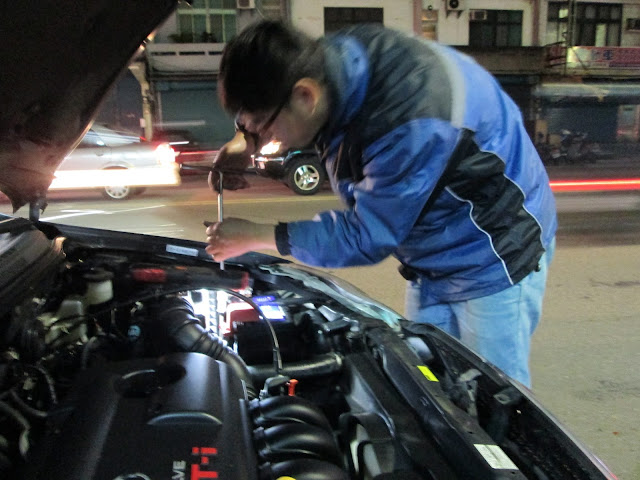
column 233, row 159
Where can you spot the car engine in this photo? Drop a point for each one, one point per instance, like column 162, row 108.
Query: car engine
column 129, row 359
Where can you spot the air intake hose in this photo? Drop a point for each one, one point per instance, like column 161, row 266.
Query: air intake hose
column 177, row 319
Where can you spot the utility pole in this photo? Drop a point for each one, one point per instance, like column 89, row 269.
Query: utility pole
column 137, row 68
column 571, row 31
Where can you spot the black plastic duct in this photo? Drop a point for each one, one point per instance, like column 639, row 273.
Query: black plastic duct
column 177, row 318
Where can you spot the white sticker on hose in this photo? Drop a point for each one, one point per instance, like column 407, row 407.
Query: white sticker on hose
column 496, row 457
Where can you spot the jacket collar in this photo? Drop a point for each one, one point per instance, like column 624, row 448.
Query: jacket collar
column 347, row 69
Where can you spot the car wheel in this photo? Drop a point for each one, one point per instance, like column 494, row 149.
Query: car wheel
column 305, row 175
column 118, row 192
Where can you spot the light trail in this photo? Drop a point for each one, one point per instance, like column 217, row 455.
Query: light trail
column 595, row 185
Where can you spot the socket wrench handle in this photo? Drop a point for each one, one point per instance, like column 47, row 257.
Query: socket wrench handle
column 220, row 205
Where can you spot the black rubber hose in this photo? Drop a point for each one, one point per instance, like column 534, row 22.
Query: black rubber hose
column 26, row 408
column 324, row 364
column 303, row 469
column 51, row 389
column 15, row 415
column 177, row 317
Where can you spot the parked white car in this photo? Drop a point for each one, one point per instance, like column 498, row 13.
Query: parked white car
column 118, row 163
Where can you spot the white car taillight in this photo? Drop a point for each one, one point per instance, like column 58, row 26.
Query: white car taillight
column 270, row 148
column 165, row 154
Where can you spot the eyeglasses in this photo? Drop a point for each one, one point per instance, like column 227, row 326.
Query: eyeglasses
column 265, row 126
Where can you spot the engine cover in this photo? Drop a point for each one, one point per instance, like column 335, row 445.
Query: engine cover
column 181, row 416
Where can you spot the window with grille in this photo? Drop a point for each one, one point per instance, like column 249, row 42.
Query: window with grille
column 591, row 24
column 271, row 9
column 337, row 18
column 496, row 28
column 206, row 21
column 429, row 24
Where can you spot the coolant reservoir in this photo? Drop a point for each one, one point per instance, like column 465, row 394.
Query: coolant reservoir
column 99, row 286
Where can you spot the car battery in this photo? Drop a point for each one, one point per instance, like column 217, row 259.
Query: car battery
column 252, row 337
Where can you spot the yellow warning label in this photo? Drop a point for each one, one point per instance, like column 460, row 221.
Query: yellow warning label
column 428, row 373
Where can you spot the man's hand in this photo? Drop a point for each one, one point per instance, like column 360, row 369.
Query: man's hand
column 232, row 159
column 236, row 236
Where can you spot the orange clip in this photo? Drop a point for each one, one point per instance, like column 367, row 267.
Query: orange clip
column 292, row 387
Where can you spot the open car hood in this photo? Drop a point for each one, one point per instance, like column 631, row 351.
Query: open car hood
column 59, row 60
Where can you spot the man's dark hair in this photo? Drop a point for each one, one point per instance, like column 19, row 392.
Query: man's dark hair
column 260, row 66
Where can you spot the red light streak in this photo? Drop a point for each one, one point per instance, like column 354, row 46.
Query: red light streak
column 595, row 185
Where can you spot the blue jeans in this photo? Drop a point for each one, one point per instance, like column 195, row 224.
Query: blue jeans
column 498, row 327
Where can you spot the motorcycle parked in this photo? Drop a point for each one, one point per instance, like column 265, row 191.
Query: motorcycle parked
column 574, row 148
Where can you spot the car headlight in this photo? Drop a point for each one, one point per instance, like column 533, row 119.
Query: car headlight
column 270, row 148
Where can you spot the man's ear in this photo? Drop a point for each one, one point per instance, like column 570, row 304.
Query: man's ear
column 307, row 94
column 309, row 100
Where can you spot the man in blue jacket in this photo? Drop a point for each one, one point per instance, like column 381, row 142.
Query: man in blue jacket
column 432, row 162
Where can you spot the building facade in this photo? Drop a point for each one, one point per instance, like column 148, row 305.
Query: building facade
column 570, row 65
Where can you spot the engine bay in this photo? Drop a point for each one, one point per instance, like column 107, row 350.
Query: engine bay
column 145, row 363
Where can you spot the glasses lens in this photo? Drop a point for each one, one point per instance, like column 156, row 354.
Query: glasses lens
column 251, row 137
column 255, row 136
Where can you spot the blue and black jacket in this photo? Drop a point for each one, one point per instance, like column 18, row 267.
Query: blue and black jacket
column 434, row 166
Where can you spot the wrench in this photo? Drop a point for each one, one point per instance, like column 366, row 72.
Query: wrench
column 220, row 208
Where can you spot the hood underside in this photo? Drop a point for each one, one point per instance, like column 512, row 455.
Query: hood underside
column 59, row 59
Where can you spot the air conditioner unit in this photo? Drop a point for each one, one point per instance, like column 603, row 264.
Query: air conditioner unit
column 633, row 24
column 245, row 4
column 477, row 15
column 455, row 5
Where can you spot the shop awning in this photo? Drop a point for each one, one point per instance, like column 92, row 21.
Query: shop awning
column 603, row 93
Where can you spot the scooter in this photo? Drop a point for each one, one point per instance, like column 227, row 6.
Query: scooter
column 575, row 148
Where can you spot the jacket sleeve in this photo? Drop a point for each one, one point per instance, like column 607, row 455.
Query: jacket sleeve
column 400, row 171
